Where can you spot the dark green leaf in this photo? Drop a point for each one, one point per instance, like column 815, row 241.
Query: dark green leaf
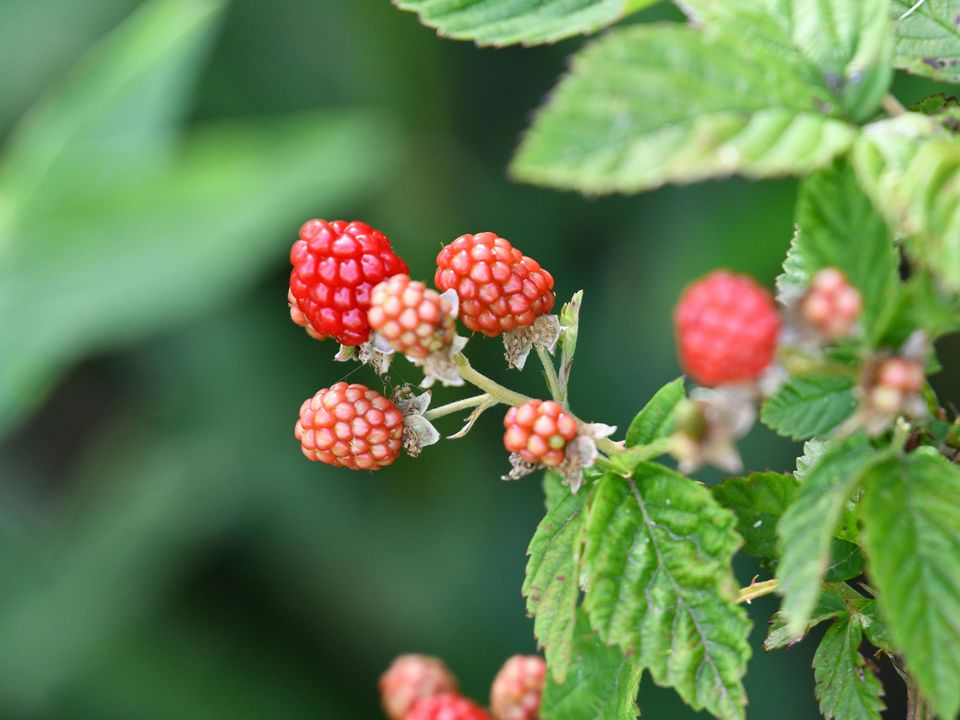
column 758, row 501
column 655, row 420
column 809, row 405
column 846, row 688
column 846, row 561
column 875, row 627
column 834, row 600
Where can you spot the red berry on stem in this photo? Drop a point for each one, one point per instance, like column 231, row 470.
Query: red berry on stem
column 414, row 319
column 446, row 707
column 727, row 328
column 350, row 426
column 832, row 304
column 335, row 266
column 539, row 431
column 516, row 691
column 410, row 678
column 499, row 287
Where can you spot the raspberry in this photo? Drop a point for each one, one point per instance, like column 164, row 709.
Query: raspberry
column 335, row 265
column 727, row 328
column 296, row 314
column 832, row 304
column 896, row 380
column 414, row 319
column 350, row 426
column 516, row 690
column 539, row 431
column 411, row 677
column 499, row 287
column 446, row 707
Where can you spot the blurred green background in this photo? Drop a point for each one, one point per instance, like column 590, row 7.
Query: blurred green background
column 165, row 550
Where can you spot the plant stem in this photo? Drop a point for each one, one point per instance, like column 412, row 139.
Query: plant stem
column 755, row 590
column 550, row 373
column 450, row 408
column 494, row 389
column 610, row 447
column 916, row 707
column 893, row 106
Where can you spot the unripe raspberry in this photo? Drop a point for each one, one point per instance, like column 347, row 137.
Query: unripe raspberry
column 350, row 426
column 539, row 431
column 516, row 690
column 727, row 327
column 414, row 319
column 897, row 379
column 832, row 305
column 499, row 287
column 410, row 678
column 446, row 707
column 335, row 266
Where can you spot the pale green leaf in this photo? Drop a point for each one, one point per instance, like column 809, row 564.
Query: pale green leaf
column 551, row 585
column 911, row 518
column 910, row 168
column 808, row 526
column 758, row 500
column 602, row 683
column 846, row 688
column 809, row 405
column 653, row 104
column 530, row 22
column 928, row 39
column 847, row 45
column 660, row 586
column 655, row 420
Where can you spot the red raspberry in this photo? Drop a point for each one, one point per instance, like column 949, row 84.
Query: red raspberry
column 414, row 319
column 539, row 431
column 446, row 707
column 296, row 314
column 727, row 327
column 516, row 690
column 499, row 287
column 335, row 265
column 411, row 677
column 350, row 426
column 832, row 304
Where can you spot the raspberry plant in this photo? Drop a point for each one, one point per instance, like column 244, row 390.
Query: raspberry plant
column 630, row 570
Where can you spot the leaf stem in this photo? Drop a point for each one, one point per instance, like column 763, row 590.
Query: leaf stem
column 916, row 707
column 755, row 590
column 893, row 106
column 450, row 408
column 494, row 389
column 550, row 373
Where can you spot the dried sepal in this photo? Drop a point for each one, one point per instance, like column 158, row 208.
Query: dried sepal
column 544, row 332
column 418, row 432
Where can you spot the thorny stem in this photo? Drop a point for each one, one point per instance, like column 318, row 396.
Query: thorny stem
column 755, row 590
column 550, row 373
column 893, row 106
column 494, row 389
column 450, row 408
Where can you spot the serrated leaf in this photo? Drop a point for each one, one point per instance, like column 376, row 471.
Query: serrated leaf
column 758, row 501
column 928, row 39
column 660, row 586
column 846, row 561
column 602, row 683
column 807, row 527
column 837, row 226
column 910, row 168
column 653, row 104
column 847, row 44
column 911, row 517
column 875, row 627
column 552, row 580
column 846, row 688
column 809, row 405
column 655, row 420
column 834, row 600
column 530, row 22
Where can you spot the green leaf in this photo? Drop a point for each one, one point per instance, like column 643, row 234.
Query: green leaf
column 928, row 39
column 530, row 22
column 570, row 329
column 655, row 420
column 837, row 226
column 846, row 688
column 653, row 104
column 809, row 405
column 846, row 561
column 834, row 600
column 758, row 501
column 910, row 168
column 807, row 527
column 659, row 585
column 602, row 683
column 875, row 627
column 552, row 580
column 911, row 518
column 848, row 44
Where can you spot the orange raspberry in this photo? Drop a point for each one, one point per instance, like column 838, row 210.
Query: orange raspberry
column 414, row 319
column 539, row 431
column 516, row 691
column 410, row 678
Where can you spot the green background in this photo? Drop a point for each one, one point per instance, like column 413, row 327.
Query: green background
column 165, row 550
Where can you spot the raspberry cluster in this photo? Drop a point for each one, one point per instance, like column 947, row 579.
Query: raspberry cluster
column 411, row 678
column 446, row 707
column 539, row 431
column 414, row 319
column 500, row 288
column 832, row 305
column 895, row 381
column 517, row 688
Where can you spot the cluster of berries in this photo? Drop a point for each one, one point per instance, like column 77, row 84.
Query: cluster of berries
column 417, row 687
